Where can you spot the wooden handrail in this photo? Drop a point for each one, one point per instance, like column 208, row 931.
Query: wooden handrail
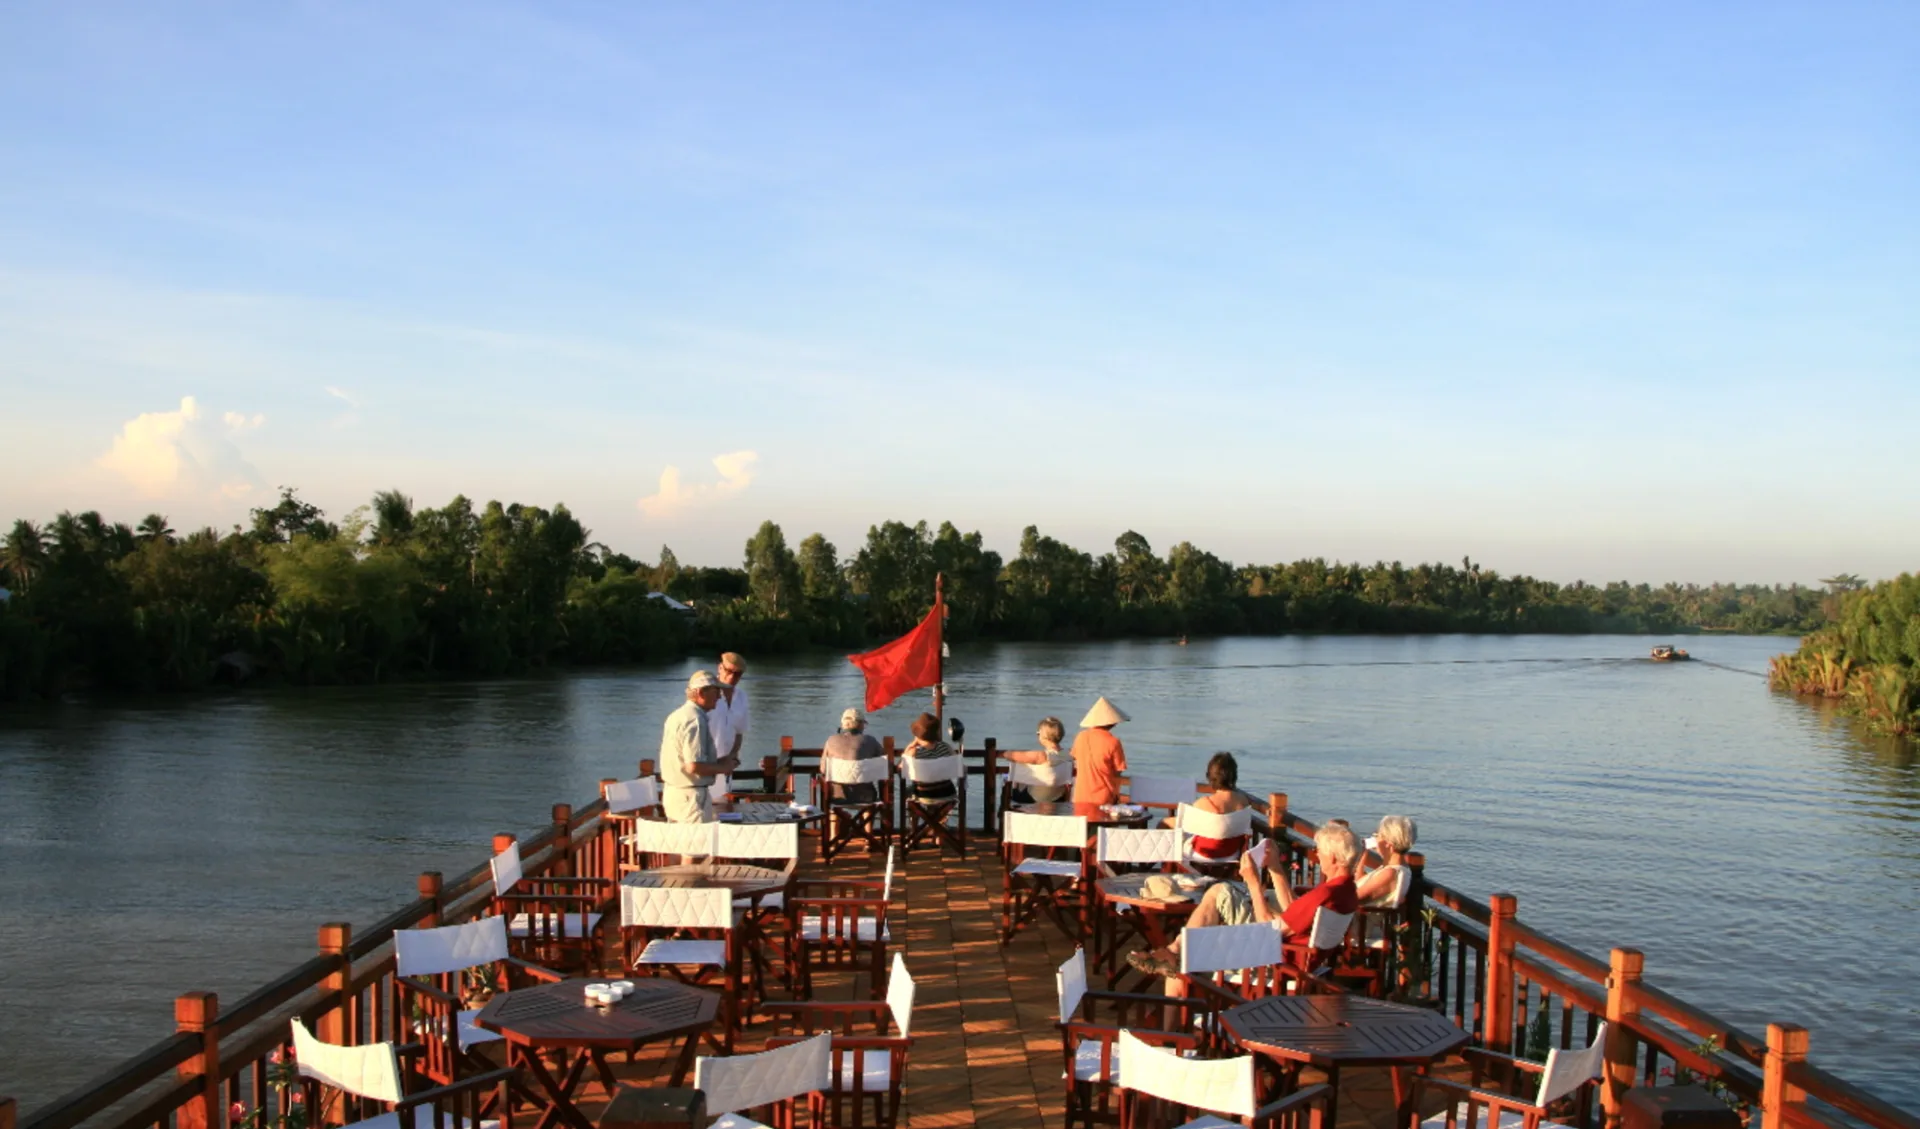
column 115, row 1085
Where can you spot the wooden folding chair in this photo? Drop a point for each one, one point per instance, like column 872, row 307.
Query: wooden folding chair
column 839, row 923
column 1565, row 1075
column 1199, row 823
column 436, row 972
column 553, row 922
column 367, row 1078
column 1087, row 1044
column 768, row 1083
column 1125, row 850
column 1048, row 885
column 926, row 819
column 692, row 935
column 869, row 1071
column 1160, row 1089
column 847, row 820
column 628, row 802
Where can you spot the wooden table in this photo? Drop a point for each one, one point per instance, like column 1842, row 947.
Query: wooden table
column 745, row 881
column 1154, row 915
column 1095, row 814
column 758, row 811
column 1332, row 1032
column 557, row 1017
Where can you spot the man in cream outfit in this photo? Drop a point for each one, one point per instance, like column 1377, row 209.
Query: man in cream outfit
column 730, row 719
column 688, row 758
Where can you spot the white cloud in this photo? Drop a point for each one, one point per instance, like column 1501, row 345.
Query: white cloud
column 342, row 394
column 184, row 453
column 736, row 474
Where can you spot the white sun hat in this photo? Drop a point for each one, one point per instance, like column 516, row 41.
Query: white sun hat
column 1103, row 713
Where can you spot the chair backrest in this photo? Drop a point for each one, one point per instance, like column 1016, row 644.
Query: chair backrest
column 1229, row 948
column 1039, row 775
column 1217, row 1085
column 756, row 841
column 449, row 948
column 1155, row 844
column 632, row 795
column 1024, row 829
column 1165, row 791
column 740, row 1082
column 658, row 837
column 886, row 883
column 1204, row 824
column 1566, row 1070
column 506, row 870
column 1071, row 983
column 1329, row 929
column 934, row 770
column 900, row 988
column 676, row 907
column 839, row 770
column 372, row 1071
column 1402, row 882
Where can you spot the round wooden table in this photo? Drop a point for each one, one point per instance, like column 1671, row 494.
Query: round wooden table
column 759, row 811
column 557, row 1017
column 745, row 881
column 1096, row 815
column 1332, row 1032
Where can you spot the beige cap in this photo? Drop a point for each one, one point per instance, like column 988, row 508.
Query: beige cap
column 852, row 717
column 1103, row 713
column 703, row 680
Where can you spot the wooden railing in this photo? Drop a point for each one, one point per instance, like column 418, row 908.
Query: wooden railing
column 1514, row 988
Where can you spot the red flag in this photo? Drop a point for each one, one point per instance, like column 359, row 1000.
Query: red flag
column 911, row 662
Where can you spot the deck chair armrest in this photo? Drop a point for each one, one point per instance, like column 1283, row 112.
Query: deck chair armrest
column 797, row 904
column 1139, row 998
column 533, row 971
column 409, row 1050
column 807, row 1012
column 552, row 899
column 834, row 883
column 414, row 986
column 1304, row 1096
column 1211, row 995
column 1489, row 1098
column 465, row 1085
column 1472, row 1053
column 1106, row 1032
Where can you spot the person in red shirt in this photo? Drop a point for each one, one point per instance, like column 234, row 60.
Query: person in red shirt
column 1248, row 901
column 1099, row 760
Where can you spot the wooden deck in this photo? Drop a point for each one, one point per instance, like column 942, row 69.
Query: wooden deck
column 985, row 1049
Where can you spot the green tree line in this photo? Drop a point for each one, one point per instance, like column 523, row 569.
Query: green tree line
column 394, row 591
column 1867, row 657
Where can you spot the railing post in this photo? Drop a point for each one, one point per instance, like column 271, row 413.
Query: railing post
column 1786, row 1045
column 990, row 789
column 194, row 1014
column 1626, row 966
column 769, row 774
column 335, row 936
column 9, row 1113
column 608, row 848
column 1412, row 931
column 1497, row 1019
column 786, row 764
column 562, row 864
column 501, row 841
column 429, row 885
column 1277, row 831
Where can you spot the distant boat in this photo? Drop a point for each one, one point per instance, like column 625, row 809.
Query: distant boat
column 1180, row 642
column 1668, row 653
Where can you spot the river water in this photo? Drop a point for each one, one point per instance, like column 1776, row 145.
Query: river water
column 152, row 847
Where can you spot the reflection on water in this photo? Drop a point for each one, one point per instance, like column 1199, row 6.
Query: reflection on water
column 155, row 847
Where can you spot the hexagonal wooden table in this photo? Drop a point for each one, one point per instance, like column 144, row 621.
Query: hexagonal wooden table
column 1336, row 1031
column 557, row 1017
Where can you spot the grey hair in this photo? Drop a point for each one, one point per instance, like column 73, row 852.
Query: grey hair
column 1338, row 845
column 1398, row 832
column 1051, row 730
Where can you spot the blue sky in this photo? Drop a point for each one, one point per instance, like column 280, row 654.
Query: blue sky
column 1607, row 291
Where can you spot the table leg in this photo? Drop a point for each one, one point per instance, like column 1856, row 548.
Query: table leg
column 1333, row 1097
column 560, row 1108
column 684, row 1062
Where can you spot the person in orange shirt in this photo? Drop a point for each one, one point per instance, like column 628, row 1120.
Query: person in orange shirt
column 1099, row 760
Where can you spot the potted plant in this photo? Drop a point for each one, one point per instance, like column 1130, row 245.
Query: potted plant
column 1414, row 950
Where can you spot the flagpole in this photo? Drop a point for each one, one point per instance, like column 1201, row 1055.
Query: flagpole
column 940, row 632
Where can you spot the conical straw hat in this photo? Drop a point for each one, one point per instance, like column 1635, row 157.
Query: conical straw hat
column 1103, row 713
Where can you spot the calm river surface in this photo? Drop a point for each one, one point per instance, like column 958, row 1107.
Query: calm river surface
column 1762, row 853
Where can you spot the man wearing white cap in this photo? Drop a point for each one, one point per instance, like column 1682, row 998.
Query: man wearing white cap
column 853, row 743
column 688, row 759
column 1099, row 760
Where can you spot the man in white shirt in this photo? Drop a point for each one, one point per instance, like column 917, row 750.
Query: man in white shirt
column 689, row 759
column 730, row 716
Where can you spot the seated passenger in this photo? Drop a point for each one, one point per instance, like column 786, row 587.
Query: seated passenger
column 1049, row 756
column 1223, row 776
column 927, row 745
column 853, row 743
column 1248, row 901
column 1380, row 888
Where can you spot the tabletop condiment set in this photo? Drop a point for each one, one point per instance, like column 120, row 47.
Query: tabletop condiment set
column 606, row 995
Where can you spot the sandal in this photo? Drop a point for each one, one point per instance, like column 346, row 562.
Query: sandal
column 1153, row 963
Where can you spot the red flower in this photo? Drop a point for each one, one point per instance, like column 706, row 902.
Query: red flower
column 237, row 1111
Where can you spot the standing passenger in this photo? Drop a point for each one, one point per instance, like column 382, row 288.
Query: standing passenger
column 688, row 761
column 1099, row 760
column 730, row 716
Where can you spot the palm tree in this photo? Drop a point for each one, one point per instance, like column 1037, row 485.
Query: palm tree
column 154, row 527
column 392, row 517
column 24, row 554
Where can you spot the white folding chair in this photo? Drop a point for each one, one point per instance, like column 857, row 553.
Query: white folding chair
column 627, row 796
column 870, row 821
column 659, row 843
column 1314, row 954
column 927, row 818
column 772, row 1078
column 775, row 844
column 1119, row 850
column 1561, row 1075
column 1199, row 823
column 371, row 1074
column 1088, row 1046
column 1027, row 777
column 1154, row 1082
column 1050, row 885
column 839, row 922
column 1160, row 791
column 553, row 921
column 1230, row 964
column 1152, row 846
column 868, row 1070
column 433, row 971
column 688, row 933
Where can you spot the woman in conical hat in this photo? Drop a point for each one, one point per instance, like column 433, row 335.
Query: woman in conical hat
column 1099, row 760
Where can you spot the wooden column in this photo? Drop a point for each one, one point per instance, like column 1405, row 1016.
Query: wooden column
column 335, row 936
column 194, row 1014
column 607, row 851
column 1277, row 831
column 1411, row 907
column 769, row 774
column 990, row 789
column 1625, row 968
column 9, row 1113
column 562, row 864
column 1786, row 1045
column 1497, row 1020
column 786, row 763
column 429, row 885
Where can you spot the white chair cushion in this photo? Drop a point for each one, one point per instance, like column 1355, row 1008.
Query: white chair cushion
column 876, row 1072
column 738, row 1121
column 1052, row 868
column 862, row 930
column 471, row 1034
column 576, row 924
column 683, row 952
column 1086, row 1062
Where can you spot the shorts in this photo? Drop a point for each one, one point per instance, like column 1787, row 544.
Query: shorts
column 687, row 805
column 1234, row 902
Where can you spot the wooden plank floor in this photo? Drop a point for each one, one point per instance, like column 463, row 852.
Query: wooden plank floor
column 986, row 1051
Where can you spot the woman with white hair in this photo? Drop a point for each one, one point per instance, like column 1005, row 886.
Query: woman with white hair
column 1249, row 900
column 1380, row 888
column 1050, row 760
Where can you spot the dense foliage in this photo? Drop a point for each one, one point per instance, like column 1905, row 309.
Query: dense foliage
column 1869, row 656
column 399, row 592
